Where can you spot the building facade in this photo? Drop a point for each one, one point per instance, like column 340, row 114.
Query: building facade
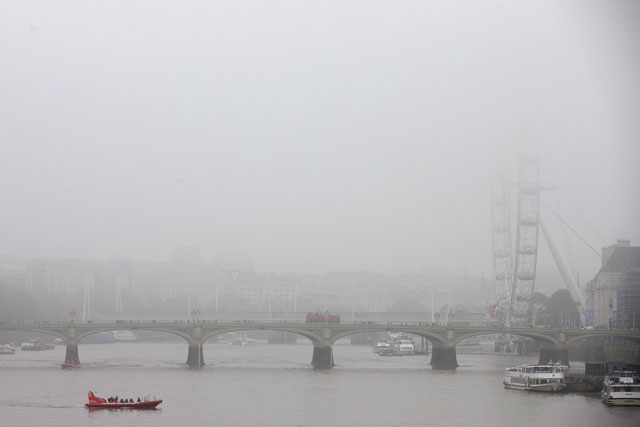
column 603, row 298
column 629, row 299
column 61, row 275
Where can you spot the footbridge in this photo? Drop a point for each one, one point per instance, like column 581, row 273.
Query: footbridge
column 323, row 336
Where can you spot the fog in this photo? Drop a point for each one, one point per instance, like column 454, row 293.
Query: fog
column 312, row 136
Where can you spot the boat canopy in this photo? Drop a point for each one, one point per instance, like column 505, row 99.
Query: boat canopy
column 94, row 399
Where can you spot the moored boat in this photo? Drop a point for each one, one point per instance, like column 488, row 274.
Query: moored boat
column 124, row 335
column 382, row 347
column 242, row 341
column 102, row 403
column 535, row 377
column 36, row 345
column 621, row 389
column 7, row 349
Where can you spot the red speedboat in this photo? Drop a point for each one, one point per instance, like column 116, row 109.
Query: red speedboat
column 99, row 402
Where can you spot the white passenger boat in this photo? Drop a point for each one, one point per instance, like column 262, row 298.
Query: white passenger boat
column 403, row 347
column 622, row 389
column 36, row 344
column 535, row 377
column 124, row 335
column 242, row 341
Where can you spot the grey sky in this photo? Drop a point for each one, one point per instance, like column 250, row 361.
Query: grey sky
column 314, row 136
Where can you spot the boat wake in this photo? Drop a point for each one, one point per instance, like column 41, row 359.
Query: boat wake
column 38, row 405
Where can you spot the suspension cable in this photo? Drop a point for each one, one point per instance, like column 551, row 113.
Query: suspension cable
column 583, row 217
column 571, row 228
column 565, row 237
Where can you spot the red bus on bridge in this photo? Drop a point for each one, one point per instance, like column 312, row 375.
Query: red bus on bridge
column 316, row 317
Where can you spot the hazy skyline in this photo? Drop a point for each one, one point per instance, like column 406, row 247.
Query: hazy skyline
column 314, row 136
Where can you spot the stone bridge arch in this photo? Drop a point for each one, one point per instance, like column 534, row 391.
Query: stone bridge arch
column 85, row 333
column 75, row 333
column 211, row 332
column 605, row 333
column 438, row 339
column 536, row 336
column 196, row 355
column 61, row 333
column 435, row 336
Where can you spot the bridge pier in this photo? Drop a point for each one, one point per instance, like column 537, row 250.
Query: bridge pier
column 554, row 355
column 71, row 355
column 595, row 360
column 443, row 357
column 195, row 357
column 323, row 357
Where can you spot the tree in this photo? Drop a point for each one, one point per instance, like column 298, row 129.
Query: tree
column 559, row 301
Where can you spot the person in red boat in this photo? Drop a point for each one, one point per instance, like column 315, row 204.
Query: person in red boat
column 117, row 403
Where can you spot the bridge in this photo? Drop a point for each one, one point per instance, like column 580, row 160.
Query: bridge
column 323, row 336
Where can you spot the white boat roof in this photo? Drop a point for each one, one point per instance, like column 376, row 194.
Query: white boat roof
column 538, row 366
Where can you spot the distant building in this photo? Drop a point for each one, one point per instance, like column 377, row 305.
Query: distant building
column 616, row 274
column 168, row 279
column 629, row 299
column 118, row 273
column 185, row 274
column 13, row 270
column 234, row 262
column 569, row 319
column 263, row 291
column 61, row 275
column 71, row 275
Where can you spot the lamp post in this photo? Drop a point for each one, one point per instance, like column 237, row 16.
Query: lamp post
column 72, row 315
column 195, row 313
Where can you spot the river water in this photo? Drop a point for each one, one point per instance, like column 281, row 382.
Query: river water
column 274, row 385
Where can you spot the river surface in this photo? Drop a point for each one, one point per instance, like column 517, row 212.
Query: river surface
column 274, row 385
